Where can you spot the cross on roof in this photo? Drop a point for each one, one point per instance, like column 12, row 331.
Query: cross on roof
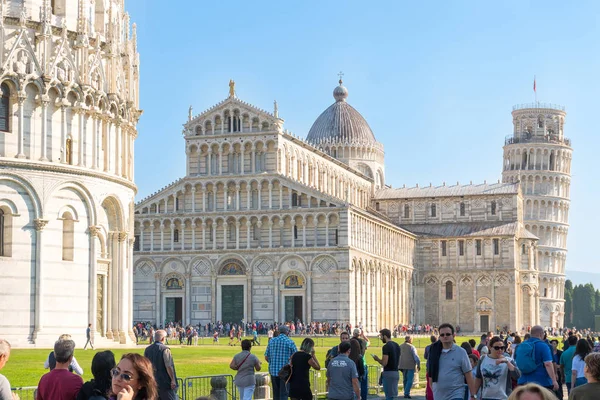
column 340, row 74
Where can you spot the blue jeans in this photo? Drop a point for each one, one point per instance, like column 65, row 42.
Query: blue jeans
column 279, row 388
column 408, row 375
column 580, row 381
column 364, row 385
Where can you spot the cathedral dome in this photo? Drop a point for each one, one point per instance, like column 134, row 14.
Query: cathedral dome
column 340, row 122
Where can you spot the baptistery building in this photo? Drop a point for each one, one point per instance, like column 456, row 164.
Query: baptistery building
column 68, row 112
column 268, row 226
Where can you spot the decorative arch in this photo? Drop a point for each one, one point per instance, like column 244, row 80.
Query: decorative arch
column 232, row 267
column 293, row 280
column 26, row 185
column 484, row 304
column 323, row 264
column 172, row 264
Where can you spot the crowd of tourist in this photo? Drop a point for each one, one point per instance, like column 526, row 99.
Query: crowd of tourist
column 501, row 366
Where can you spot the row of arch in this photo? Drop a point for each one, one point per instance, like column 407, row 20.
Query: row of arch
column 232, row 195
column 243, row 157
column 553, row 124
column 313, row 171
column 551, row 261
column 552, row 287
column 557, row 186
column 231, row 120
column 353, row 151
column 547, row 210
column 68, row 125
column 246, row 232
column 549, row 235
column 538, row 159
column 205, row 266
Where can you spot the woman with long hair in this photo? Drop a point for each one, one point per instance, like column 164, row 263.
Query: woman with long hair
column 582, row 349
column 245, row 363
column 496, row 371
column 133, row 379
column 301, row 362
column 102, row 365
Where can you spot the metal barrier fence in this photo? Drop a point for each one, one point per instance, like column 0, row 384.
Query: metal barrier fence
column 218, row 387
column 319, row 383
column 180, row 389
column 25, row 392
column 374, row 371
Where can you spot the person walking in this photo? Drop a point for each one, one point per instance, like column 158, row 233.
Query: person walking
column 590, row 390
column 389, row 361
column 448, row 367
column 409, row 362
column 278, row 353
column 566, row 361
column 164, row 367
column 496, row 371
column 342, row 376
column 245, row 363
column 60, row 383
column 301, row 362
column 88, row 335
column 582, row 349
column 5, row 392
column 534, row 359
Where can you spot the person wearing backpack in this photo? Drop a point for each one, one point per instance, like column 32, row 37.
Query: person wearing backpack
column 534, row 359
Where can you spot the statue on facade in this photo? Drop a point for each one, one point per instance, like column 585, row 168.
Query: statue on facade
column 190, row 114
column 275, row 109
column 231, row 88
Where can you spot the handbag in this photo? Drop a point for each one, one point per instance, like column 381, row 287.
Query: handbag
column 285, row 373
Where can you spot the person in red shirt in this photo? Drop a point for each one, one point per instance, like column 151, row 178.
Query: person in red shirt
column 473, row 344
column 60, row 384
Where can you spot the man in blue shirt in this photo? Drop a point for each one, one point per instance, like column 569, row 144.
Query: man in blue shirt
column 278, row 353
column 544, row 374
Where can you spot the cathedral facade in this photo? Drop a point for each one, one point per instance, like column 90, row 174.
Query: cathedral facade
column 267, row 226
column 68, row 115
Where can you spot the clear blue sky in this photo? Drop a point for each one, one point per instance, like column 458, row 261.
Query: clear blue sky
column 435, row 81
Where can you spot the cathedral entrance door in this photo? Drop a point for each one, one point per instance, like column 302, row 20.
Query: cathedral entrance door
column 293, row 308
column 484, row 323
column 232, row 303
column 174, row 309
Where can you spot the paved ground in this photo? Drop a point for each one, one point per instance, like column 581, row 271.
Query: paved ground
column 416, row 394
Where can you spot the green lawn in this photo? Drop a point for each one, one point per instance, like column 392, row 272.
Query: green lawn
column 25, row 367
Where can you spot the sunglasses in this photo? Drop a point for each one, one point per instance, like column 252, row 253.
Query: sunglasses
column 499, row 347
column 445, row 334
column 115, row 372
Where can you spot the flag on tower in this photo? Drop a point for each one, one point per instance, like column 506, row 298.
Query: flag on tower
column 534, row 83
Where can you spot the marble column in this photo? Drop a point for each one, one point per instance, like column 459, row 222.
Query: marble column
column 157, row 299
column 39, row 277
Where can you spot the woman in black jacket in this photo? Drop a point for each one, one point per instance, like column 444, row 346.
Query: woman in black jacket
column 99, row 387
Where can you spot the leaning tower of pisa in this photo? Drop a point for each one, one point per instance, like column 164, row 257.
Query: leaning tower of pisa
column 538, row 155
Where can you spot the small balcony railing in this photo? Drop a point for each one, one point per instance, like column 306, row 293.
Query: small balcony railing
column 552, row 139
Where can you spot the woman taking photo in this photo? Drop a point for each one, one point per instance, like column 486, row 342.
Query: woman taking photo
column 496, row 371
column 301, row 362
column 133, row 379
column 99, row 387
column 582, row 349
column 245, row 363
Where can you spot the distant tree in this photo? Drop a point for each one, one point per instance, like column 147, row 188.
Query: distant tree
column 584, row 306
column 568, row 303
